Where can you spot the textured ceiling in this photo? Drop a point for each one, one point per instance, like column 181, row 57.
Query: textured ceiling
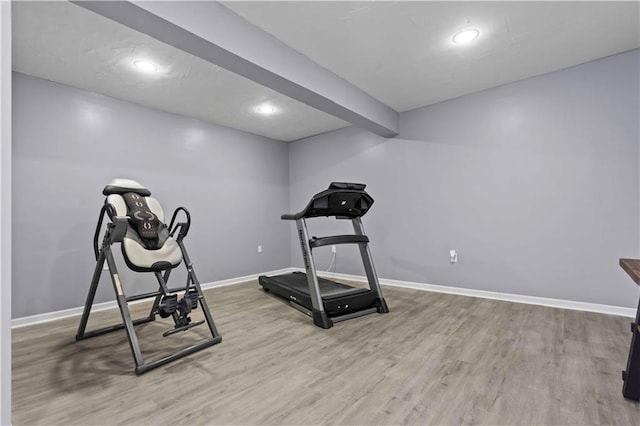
column 401, row 52
column 398, row 52
column 62, row 42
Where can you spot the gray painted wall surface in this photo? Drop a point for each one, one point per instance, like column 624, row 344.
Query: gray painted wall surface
column 68, row 144
column 535, row 184
column 5, row 213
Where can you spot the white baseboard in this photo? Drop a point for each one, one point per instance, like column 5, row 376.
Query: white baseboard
column 71, row 312
column 508, row 297
column 56, row 315
column 516, row 298
column 238, row 280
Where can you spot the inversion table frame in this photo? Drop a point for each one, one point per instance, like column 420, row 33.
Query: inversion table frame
column 115, row 232
column 631, row 375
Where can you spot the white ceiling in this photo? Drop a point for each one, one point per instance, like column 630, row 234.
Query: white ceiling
column 401, row 52
column 65, row 43
column 398, row 52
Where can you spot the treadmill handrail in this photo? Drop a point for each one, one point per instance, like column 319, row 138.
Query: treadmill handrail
column 338, row 239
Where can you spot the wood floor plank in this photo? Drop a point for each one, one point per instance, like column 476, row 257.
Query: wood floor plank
column 434, row 359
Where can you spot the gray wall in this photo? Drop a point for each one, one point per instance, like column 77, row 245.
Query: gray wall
column 68, row 144
column 5, row 213
column 535, row 183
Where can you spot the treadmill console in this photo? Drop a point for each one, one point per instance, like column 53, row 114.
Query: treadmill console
column 343, row 200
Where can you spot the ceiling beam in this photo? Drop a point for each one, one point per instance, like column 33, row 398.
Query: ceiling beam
column 216, row 34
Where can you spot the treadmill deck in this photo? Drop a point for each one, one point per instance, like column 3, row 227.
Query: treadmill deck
column 337, row 298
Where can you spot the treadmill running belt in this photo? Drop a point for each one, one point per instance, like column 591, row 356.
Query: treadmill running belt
column 297, row 281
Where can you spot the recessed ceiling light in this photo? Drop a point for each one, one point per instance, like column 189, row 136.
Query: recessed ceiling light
column 145, row 66
column 266, row 109
column 465, row 36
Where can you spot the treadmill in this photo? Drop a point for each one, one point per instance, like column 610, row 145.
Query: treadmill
column 326, row 301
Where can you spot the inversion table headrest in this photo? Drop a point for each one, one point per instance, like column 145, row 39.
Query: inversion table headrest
column 147, row 245
column 122, row 186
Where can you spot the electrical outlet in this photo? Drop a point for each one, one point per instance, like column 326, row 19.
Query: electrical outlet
column 453, row 256
column 260, row 249
column 333, row 249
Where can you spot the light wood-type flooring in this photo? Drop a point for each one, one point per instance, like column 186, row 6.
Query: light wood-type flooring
column 435, row 359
